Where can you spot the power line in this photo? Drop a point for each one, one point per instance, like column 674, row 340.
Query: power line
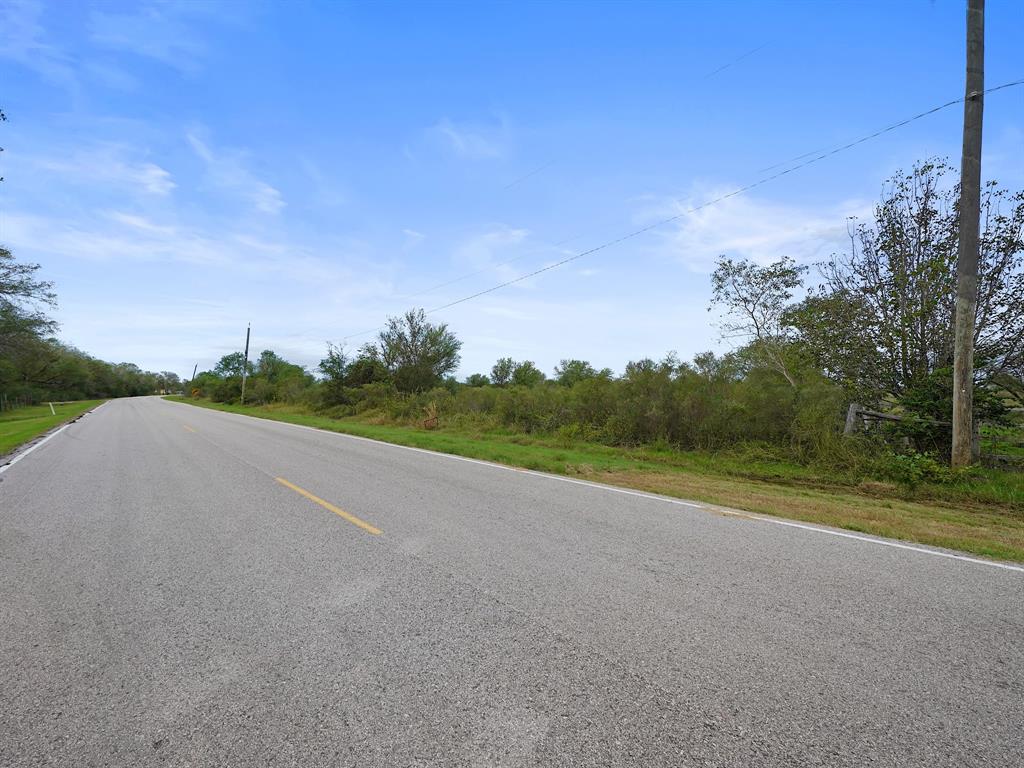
column 608, row 244
column 736, row 61
column 488, row 268
column 534, row 172
column 897, row 125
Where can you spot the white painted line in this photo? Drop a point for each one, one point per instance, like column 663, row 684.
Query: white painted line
column 31, row 448
column 643, row 495
column 45, row 440
column 871, row 540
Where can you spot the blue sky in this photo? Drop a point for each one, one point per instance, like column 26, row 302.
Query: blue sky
column 181, row 169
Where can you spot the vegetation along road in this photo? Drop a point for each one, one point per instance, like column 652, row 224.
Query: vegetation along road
column 193, row 587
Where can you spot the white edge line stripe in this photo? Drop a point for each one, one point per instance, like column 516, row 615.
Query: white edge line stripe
column 45, row 440
column 896, row 544
column 643, row 495
column 31, row 448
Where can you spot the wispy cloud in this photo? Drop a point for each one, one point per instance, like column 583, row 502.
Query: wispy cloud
column 327, row 190
column 412, row 239
column 749, row 227
column 472, row 140
column 24, row 39
column 111, row 76
column 126, row 239
column 492, row 252
column 155, row 31
column 141, row 223
column 227, row 169
column 113, row 237
column 110, row 163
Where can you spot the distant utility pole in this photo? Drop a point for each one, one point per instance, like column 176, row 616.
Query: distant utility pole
column 245, row 363
column 967, row 257
column 196, row 368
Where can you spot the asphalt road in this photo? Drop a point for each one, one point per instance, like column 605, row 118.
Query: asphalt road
column 165, row 599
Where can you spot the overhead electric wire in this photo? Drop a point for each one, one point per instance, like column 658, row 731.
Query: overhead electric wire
column 534, row 172
column 735, row 61
column 739, row 191
column 488, row 268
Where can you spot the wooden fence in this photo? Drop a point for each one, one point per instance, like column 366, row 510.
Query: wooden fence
column 1002, row 452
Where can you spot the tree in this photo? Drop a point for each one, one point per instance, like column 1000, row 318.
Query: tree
column 755, row 300
column 23, row 300
column 570, row 372
column 36, row 366
column 477, row 380
column 526, row 374
column 882, row 321
column 272, row 367
column 231, row 365
column 416, row 353
column 367, row 368
column 168, row 381
column 19, row 284
column 501, row 373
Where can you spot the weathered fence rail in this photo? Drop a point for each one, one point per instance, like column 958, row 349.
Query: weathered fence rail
column 989, row 444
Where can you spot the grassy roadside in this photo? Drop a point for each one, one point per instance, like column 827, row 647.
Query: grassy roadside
column 987, row 519
column 21, row 425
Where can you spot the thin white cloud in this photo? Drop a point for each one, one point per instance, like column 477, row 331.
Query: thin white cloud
column 412, row 239
column 141, row 223
column 120, row 236
column 227, row 170
column 154, row 31
column 751, row 228
column 24, row 39
column 115, row 164
column 127, row 237
column 473, row 141
column 490, row 252
column 111, row 76
column 327, row 191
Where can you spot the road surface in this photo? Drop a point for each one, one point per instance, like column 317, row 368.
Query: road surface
column 185, row 587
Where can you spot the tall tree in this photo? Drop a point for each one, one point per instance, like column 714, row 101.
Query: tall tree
column 501, row 372
column 232, row 365
column 755, row 300
column 882, row 320
column 416, row 353
column 570, row 372
column 526, row 374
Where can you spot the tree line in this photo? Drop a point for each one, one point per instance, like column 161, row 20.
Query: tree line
column 35, row 366
column 872, row 324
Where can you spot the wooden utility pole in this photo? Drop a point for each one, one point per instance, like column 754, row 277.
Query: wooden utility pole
column 967, row 257
column 245, row 362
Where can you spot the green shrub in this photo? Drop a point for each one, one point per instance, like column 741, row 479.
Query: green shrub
column 912, row 470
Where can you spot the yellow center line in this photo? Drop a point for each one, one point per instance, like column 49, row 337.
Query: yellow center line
column 186, row 426
column 327, row 505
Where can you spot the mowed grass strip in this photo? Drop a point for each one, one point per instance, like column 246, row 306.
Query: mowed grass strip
column 983, row 521
column 21, row 425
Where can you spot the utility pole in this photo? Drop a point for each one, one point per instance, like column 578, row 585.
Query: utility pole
column 967, row 256
column 245, row 364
